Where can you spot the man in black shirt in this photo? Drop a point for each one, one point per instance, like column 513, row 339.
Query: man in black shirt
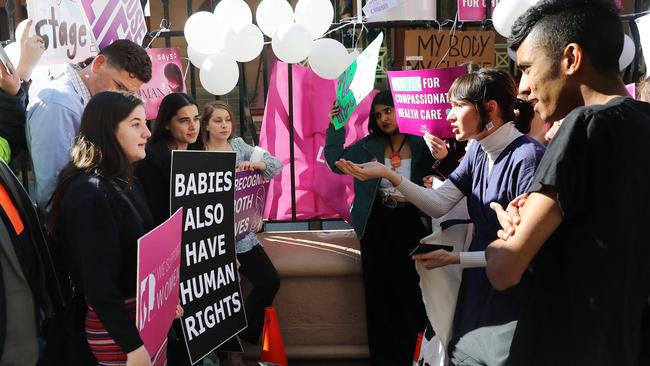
column 581, row 231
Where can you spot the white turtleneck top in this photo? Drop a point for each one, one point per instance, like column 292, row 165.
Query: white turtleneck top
column 439, row 201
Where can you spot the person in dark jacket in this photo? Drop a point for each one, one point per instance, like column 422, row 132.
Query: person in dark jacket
column 14, row 86
column 98, row 214
column 389, row 227
column 177, row 126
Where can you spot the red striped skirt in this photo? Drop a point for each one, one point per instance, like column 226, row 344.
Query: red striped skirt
column 104, row 348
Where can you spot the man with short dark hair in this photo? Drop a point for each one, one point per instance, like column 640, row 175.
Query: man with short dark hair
column 54, row 115
column 581, row 231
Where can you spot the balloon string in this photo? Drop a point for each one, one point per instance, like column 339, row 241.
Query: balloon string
column 452, row 32
column 163, row 28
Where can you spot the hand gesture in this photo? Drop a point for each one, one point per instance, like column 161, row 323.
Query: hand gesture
column 9, row 81
column 427, row 181
column 437, row 258
column 31, row 49
column 250, row 166
column 363, row 171
column 139, row 357
column 509, row 218
column 333, row 112
column 179, row 312
column 436, row 145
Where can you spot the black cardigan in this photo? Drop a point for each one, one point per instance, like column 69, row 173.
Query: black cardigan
column 100, row 229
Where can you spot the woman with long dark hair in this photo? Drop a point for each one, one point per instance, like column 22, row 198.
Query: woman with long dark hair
column 389, row 226
column 176, row 127
column 98, row 214
column 498, row 167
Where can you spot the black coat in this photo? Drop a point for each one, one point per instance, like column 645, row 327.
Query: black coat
column 154, row 174
column 12, row 119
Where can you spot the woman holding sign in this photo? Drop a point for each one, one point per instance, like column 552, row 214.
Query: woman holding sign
column 216, row 127
column 389, row 227
column 98, row 214
column 176, row 127
column 497, row 168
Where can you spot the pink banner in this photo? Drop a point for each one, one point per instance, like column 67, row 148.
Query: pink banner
column 319, row 192
column 421, row 102
column 474, row 10
column 166, row 77
column 159, row 259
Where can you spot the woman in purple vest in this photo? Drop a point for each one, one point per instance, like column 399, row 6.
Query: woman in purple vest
column 498, row 167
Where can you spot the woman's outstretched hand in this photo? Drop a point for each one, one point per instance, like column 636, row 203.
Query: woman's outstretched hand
column 369, row 170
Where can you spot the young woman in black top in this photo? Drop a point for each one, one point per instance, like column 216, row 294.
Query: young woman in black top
column 176, row 127
column 98, row 213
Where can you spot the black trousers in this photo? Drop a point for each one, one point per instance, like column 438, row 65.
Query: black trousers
column 258, row 269
column 394, row 309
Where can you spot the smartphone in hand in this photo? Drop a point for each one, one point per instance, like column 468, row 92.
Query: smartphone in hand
column 5, row 59
column 426, row 248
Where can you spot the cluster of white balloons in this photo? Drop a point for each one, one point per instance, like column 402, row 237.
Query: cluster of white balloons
column 507, row 11
column 216, row 41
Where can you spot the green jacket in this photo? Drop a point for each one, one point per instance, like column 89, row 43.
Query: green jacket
column 365, row 150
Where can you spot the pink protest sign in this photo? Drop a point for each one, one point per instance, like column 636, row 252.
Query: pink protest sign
column 112, row 20
column 320, row 193
column 159, row 259
column 166, row 77
column 631, row 89
column 473, row 10
column 421, row 102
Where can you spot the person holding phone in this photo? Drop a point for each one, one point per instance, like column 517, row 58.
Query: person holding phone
column 14, row 87
column 388, row 226
column 499, row 166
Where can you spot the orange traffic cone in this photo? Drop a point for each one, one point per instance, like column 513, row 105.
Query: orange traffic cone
column 272, row 344
column 418, row 346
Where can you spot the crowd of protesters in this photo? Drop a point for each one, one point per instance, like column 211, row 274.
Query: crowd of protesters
column 556, row 272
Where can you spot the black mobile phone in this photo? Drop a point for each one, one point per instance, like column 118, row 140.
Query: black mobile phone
column 426, row 248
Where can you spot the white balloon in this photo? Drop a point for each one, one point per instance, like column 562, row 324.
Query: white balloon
column 271, row 14
column 204, row 33
column 506, row 13
column 328, row 58
column 292, row 43
column 352, row 56
column 20, row 29
column 316, row 15
column 244, row 42
column 627, row 54
column 42, row 75
column 231, row 13
column 196, row 57
column 219, row 74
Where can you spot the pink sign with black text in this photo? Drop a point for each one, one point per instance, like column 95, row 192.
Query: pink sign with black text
column 166, row 77
column 421, row 101
column 159, row 260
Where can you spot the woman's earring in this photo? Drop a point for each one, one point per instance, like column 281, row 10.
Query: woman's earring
column 489, row 125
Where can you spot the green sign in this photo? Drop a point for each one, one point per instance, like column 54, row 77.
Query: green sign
column 357, row 81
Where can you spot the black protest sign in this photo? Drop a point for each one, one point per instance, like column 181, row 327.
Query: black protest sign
column 203, row 183
column 424, row 49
